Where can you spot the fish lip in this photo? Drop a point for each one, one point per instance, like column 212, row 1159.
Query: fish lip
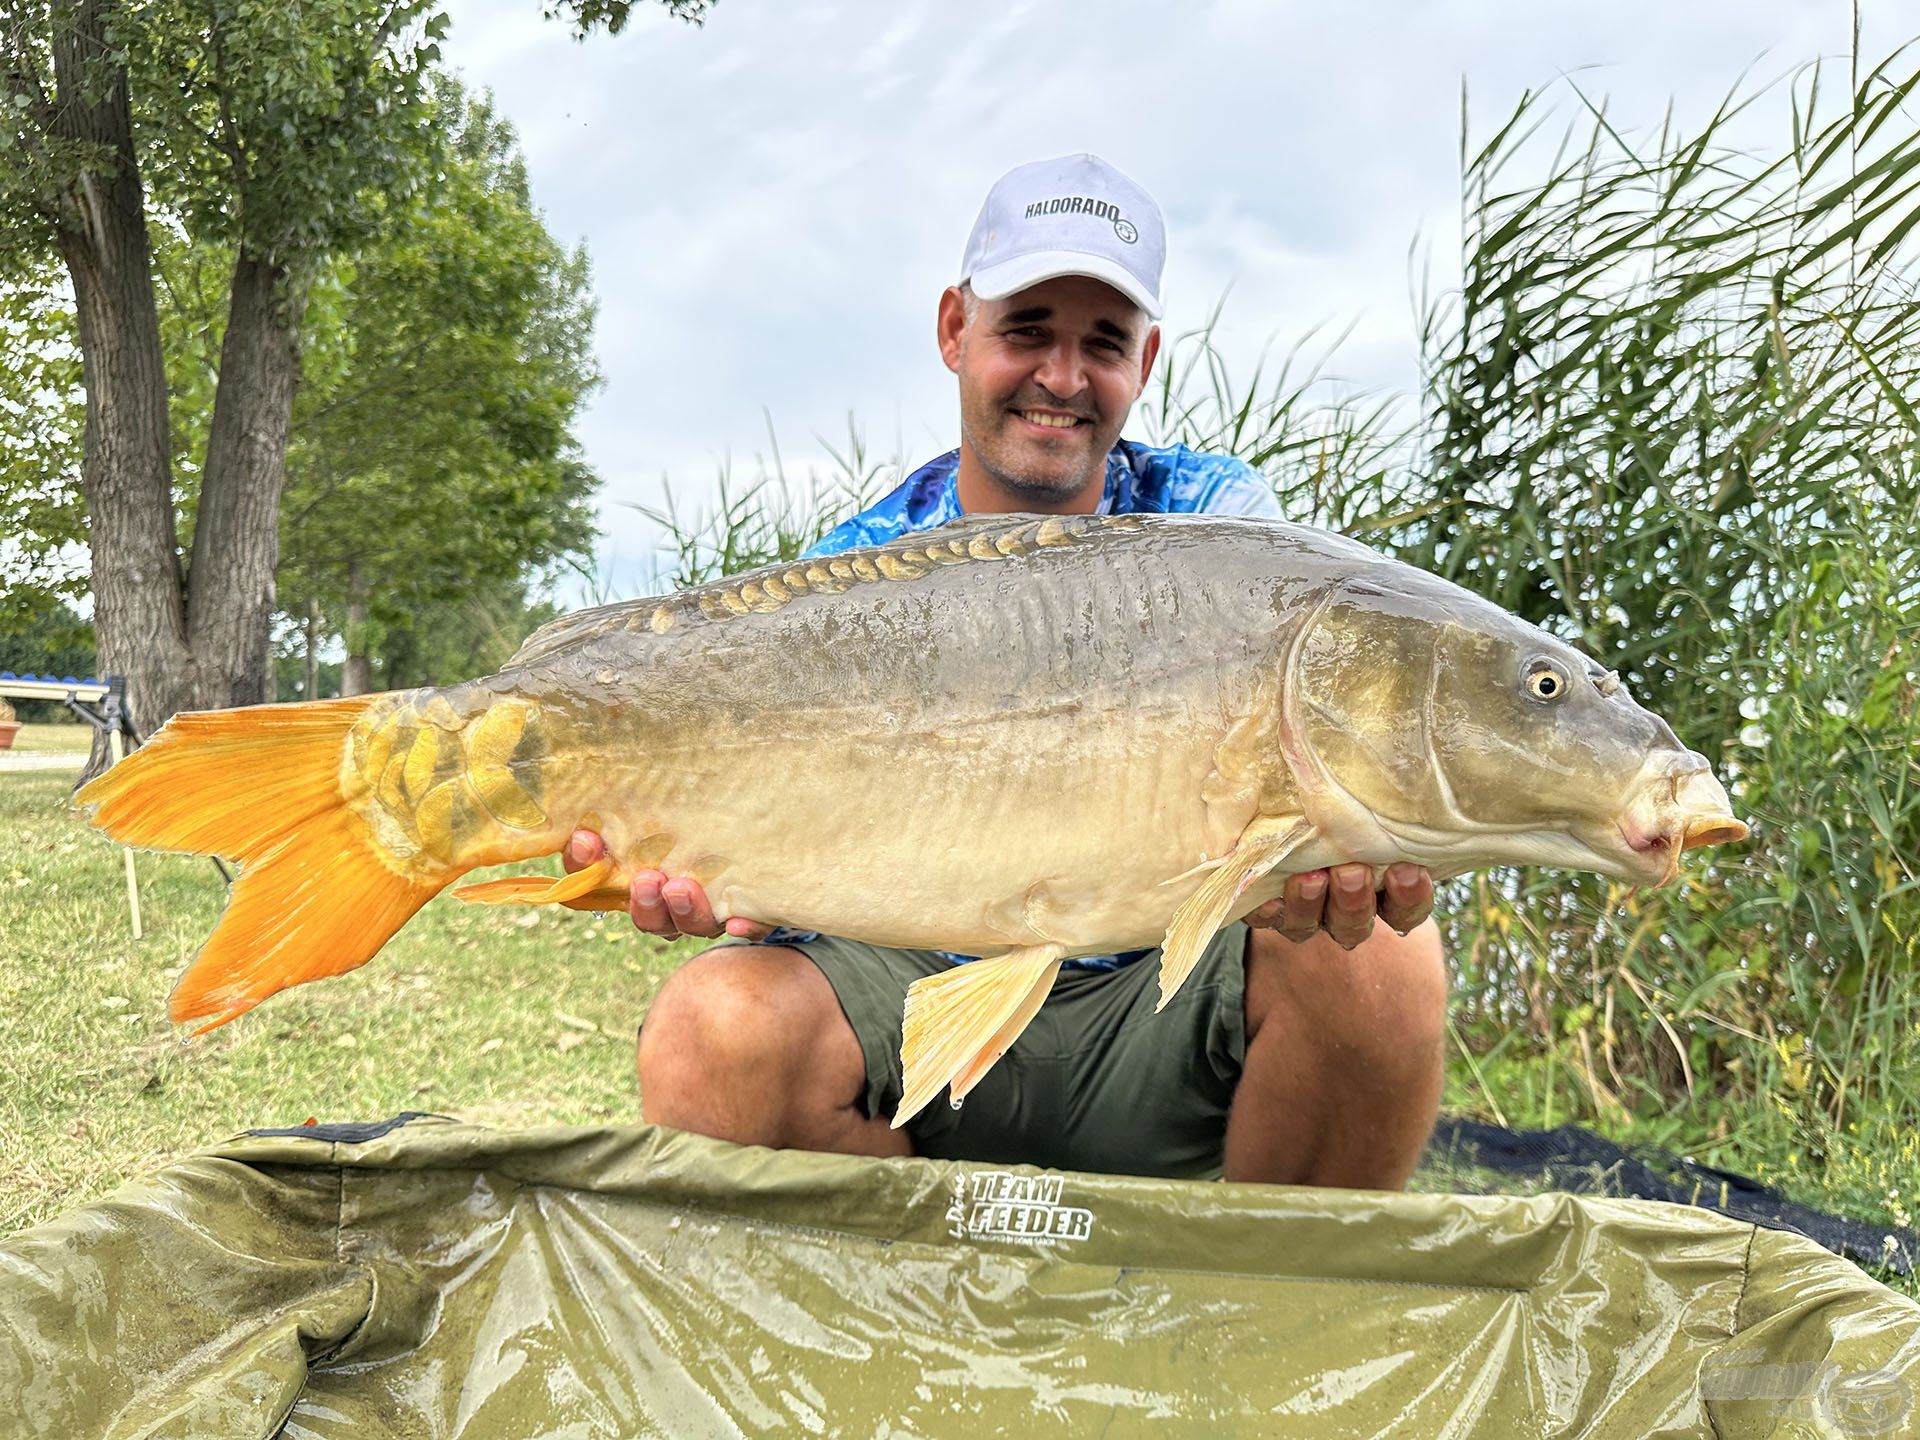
column 1679, row 806
column 1705, row 814
column 1713, row 830
column 1652, row 855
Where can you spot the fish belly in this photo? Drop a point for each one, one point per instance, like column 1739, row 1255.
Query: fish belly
column 1020, row 839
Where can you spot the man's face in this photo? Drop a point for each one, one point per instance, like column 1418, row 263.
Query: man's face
column 1047, row 377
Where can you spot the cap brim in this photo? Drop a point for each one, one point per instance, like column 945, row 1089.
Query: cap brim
column 1010, row 277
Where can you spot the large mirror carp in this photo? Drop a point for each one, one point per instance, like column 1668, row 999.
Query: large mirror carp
column 1020, row 737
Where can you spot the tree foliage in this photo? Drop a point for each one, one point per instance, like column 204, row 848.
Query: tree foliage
column 474, row 634
column 44, row 637
column 613, row 15
column 443, row 388
column 283, row 130
column 267, row 130
column 42, row 515
column 280, row 138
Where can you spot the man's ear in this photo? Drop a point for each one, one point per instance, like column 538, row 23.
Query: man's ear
column 950, row 325
column 1147, row 353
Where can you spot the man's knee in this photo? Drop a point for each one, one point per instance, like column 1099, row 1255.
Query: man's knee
column 1410, row 994
column 734, row 1010
column 1387, row 997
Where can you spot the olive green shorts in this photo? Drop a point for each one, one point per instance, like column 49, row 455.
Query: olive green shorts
column 1098, row 1081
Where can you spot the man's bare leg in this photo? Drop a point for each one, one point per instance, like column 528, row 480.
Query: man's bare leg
column 1345, row 1057
column 749, row 1044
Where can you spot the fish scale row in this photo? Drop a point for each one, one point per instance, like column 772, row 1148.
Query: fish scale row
column 767, row 591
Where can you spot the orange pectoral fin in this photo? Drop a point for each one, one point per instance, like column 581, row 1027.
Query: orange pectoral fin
column 959, row 1022
column 598, row 887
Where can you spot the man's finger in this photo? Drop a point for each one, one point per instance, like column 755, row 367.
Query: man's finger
column 645, row 904
column 742, row 928
column 1407, row 898
column 1302, row 904
column 687, row 906
column 1268, row 917
column 583, row 847
column 1350, row 904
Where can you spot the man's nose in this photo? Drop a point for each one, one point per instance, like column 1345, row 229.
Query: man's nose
column 1062, row 371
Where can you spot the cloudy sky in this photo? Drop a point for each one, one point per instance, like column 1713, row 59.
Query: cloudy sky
column 773, row 201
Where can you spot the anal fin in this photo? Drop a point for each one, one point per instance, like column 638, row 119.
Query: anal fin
column 959, row 1022
column 1262, row 846
column 596, row 887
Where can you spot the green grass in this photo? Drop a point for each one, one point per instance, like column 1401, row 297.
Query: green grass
column 472, row 1012
column 43, row 739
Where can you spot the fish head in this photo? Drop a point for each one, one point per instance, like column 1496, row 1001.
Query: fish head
column 1475, row 738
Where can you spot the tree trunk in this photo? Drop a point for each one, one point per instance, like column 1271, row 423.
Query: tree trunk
column 312, row 688
column 125, row 470
column 236, row 539
column 205, row 639
column 356, row 676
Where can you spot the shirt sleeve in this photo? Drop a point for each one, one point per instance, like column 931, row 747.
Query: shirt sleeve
column 873, row 526
column 847, row 535
column 1236, row 488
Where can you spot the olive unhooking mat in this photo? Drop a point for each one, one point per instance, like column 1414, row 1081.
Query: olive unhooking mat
column 445, row 1280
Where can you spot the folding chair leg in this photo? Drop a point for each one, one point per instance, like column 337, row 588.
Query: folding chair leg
column 133, row 887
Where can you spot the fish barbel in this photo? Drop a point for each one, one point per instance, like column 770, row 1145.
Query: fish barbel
column 1017, row 737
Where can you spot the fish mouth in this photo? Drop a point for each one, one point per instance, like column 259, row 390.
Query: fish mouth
column 1681, row 807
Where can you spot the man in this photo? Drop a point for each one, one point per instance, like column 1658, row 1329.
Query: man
column 1307, row 1045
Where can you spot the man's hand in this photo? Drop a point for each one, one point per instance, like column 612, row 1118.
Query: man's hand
column 659, row 906
column 1342, row 901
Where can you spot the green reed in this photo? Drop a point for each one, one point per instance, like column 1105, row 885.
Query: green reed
column 1669, row 413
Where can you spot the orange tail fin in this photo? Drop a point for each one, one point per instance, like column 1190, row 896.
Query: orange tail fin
column 263, row 786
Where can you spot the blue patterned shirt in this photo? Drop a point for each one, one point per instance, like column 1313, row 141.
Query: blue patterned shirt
column 1141, row 480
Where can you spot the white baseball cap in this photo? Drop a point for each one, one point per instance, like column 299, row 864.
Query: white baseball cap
column 1073, row 216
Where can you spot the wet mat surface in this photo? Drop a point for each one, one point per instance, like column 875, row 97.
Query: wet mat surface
column 439, row 1279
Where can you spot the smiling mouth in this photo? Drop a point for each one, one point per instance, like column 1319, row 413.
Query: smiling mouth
column 1051, row 419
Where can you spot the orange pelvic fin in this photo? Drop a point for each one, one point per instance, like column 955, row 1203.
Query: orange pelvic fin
column 599, row 886
column 1262, row 846
column 959, row 1022
column 317, row 894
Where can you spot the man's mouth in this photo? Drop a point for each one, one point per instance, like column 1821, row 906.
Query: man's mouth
column 1051, row 419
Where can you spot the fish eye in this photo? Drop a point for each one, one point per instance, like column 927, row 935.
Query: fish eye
column 1546, row 681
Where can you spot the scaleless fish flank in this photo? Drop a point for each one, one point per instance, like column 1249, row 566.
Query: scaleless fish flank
column 1020, row 737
